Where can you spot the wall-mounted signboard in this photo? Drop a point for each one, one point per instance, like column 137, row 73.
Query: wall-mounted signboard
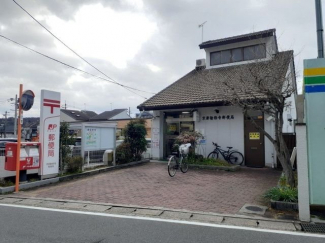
column 254, row 135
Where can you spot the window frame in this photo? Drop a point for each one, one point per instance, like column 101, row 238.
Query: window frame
column 242, row 52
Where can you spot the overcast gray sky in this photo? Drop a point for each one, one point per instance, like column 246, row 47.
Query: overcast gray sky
column 145, row 44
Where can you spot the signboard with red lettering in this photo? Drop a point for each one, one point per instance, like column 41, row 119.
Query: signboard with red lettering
column 50, row 133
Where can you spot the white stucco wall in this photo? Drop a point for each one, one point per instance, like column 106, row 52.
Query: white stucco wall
column 270, row 154
column 157, row 144
column 290, row 111
column 224, row 132
column 270, row 49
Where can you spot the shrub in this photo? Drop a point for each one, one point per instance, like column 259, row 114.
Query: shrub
column 197, row 160
column 123, row 153
column 285, row 193
column 74, row 164
column 189, row 137
column 135, row 135
column 5, row 183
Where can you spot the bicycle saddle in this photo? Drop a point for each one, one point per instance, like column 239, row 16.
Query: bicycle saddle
column 229, row 147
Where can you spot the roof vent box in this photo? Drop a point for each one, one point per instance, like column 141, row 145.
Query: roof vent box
column 200, row 63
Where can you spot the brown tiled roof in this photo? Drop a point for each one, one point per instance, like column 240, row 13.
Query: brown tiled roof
column 238, row 38
column 207, row 87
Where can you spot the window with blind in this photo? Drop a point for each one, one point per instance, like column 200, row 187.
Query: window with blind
column 238, row 54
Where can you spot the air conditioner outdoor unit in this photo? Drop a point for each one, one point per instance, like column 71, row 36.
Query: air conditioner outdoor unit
column 200, row 63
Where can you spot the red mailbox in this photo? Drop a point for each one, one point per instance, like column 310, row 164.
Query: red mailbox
column 29, row 156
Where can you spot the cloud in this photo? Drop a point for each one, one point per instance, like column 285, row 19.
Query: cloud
column 112, row 36
column 129, row 41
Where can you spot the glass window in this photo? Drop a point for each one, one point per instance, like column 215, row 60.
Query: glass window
column 225, row 56
column 173, row 128
column 249, row 53
column 237, row 54
column 215, row 58
column 187, row 127
column 260, row 51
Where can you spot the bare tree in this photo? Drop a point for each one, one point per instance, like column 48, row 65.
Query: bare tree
column 263, row 86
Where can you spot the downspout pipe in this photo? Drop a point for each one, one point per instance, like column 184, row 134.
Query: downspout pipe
column 319, row 22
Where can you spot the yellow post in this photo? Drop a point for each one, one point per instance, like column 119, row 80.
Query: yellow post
column 18, row 138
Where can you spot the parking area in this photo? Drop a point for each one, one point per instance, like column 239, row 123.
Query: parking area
column 150, row 185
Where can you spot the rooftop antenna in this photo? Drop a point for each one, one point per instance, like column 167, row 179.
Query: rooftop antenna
column 201, row 26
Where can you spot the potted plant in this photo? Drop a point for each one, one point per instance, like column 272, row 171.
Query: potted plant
column 283, row 197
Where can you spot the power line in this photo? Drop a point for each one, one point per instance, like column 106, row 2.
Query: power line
column 95, row 76
column 112, row 80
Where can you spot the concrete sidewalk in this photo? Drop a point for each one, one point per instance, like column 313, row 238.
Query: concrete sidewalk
column 156, row 212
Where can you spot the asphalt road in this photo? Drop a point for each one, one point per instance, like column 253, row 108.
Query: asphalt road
column 19, row 224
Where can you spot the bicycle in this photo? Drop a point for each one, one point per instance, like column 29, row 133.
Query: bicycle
column 231, row 156
column 175, row 163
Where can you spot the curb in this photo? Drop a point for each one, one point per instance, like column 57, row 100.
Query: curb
column 215, row 218
column 98, row 171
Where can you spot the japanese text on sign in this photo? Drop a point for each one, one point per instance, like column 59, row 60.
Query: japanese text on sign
column 254, row 136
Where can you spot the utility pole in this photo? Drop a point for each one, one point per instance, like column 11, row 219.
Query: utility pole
column 5, row 124
column 319, row 23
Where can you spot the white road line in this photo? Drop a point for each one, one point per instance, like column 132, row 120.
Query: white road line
column 168, row 221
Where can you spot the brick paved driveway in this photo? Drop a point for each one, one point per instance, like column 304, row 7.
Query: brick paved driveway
column 150, row 185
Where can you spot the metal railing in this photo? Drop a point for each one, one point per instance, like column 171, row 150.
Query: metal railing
column 94, row 156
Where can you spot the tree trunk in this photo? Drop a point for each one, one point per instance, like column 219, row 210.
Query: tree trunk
column 283, row 152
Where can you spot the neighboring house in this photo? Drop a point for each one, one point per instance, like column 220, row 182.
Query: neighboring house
column 29, row 127
column 144, row 115
column 75, row 115
column 111, row 115
column 195, row 102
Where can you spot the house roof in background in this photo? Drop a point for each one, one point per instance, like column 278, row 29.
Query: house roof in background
column 77, row 115
column 144, row 114
column 106, row 115
column 205, row 87
column 89, row 113
column 238, row 38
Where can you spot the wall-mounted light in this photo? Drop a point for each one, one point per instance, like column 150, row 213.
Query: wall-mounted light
column 185, row 112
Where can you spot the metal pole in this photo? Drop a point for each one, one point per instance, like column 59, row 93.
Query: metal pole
column 5, row 124
column 19, row 138
column 15, row 126
column 319, row 23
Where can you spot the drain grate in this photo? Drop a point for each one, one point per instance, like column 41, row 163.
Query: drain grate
column 254, row 208
column 313, row 228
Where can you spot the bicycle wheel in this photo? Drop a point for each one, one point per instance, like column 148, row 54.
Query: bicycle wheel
column 172, row 166
column 184, row 166
column 236, row 158
column 213, row 155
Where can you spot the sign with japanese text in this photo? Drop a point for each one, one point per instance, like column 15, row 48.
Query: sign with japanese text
column 98, row 138
column 50, row 132
column 155, row 138
column 254, row 135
